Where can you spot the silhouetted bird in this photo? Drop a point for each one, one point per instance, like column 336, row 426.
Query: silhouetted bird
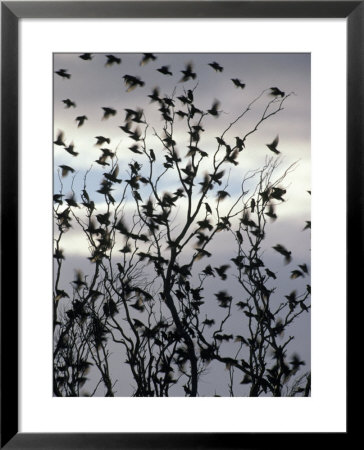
column 63, row 73
column 252, row 205
column 135, row 149
column 214, row 109
column 238, row 83
column 113, row 175
column 271, row 212
column 78, row 282
column 81, row 120
column 188, row 73
column 224, row 299
column 221, row 271
column 69, row 103
column 164, row 70
column 71, row 201
column 208, row 208
column 303, row 267
column 101, row 140
column 66, row 170
column 108, row 112
column 60, row 139
column 126, row 128
column 216, row 66
column 308, row 225
column 239, row 143
column 154, row 96
column 152, row 155
column 276, row 92
column 70, row 150
column 132, row 82
column 221, row 195
column 86, row 56
column 111, row 59
column 273, row 146
column 271, row 274
column 107, row 152
column 283, row 251
column 296, row 274
column 102, row 161
column 277, row 193
column 208, row 322
column 147, row 58
column 57, row 198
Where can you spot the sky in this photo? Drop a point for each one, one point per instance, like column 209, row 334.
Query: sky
column 94, row 85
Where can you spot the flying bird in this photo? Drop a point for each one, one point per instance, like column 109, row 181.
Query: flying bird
column 86, row 56
column 66, row 170
column 132, row 82
column 214, row 109
column 63, row 73
column 273, row 146
column 283, row 251
column 69, row 103
column 60, row 139
column 216, row 66
column 111, row 59
column 238, row 83
column 101, row 140
column 276, row 92
column 164, row 70
column 81, row 120
column 108, row 112
column 70, row 150
column 147, row 58
column 188, row 73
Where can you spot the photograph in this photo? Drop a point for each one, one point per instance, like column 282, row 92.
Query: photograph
column 181, row 224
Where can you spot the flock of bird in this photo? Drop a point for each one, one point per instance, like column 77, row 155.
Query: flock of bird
column 132, row 82
column 136, row 117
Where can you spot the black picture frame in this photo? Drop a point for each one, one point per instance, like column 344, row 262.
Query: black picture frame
column 11, row 13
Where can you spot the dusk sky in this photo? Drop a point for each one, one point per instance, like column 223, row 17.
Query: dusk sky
column 93, row 85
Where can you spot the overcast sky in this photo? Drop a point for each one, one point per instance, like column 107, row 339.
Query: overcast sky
column 94, row 85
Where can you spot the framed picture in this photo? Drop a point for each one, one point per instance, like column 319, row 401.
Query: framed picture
column 187, row 138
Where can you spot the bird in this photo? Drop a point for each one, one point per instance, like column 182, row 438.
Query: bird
column 113, row 175
column 239, row 143
column 164, row 70
column 132, row 82
column 66, row 170
column 308, row 225
column 79, row 280
column 147, row 58
column 111, row 59
column 63, row 73
column 273, row 146
column 283, row 251
column 69, row 103
column 271, row 213
column 86, row 56
column 101, row 140
column 81, row 120
column 221, row 271
column 154, row 96
column 276, row 92
column 238, row 83
column 70, row 150
column 60, row 139
column 221, row 195
column 270, row 274
column 214, row 109
column 216, row 66
column 108, row 112
column 188, row 73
